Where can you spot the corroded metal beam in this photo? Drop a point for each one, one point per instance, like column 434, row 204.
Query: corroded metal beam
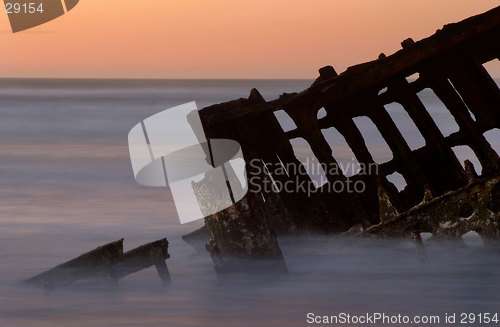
column 109, row 262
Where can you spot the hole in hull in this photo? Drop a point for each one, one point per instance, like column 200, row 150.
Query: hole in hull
column 379, row 149
column 438, row 111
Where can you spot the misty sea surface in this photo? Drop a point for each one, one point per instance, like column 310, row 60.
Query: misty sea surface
column 66, row 187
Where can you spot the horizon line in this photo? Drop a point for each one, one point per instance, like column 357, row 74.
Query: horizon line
column 173, row 78
column 160, row 78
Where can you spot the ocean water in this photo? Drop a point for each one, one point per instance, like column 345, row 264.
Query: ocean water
column 66, row 187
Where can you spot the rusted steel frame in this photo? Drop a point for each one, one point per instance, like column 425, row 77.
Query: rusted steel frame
column 354, row 139
column 478, row 90
column 256, row 145
column 483, row 150
column 107, row 261
column 142, row 257
column 434, row 139
column 308, row 127
column 95, row 262
column 471, row 207
column 411, row 170
column 305, row 118
column 356, row 142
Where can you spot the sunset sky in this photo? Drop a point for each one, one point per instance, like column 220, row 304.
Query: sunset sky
column 221, row 38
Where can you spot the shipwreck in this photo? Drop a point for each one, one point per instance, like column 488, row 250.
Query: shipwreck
column 441, row 197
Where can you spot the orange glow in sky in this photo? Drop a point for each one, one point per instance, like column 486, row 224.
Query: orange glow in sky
column 221, row 38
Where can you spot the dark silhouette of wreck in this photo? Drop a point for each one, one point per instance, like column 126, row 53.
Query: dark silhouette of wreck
column 441, row 196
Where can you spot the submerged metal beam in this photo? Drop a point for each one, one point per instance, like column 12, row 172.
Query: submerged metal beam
column 108, row 262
